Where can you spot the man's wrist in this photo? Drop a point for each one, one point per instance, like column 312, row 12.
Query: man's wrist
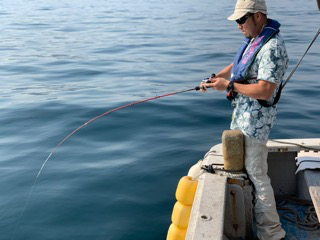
column 230, row 86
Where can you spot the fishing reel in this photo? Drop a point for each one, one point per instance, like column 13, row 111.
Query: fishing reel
column 206, row 80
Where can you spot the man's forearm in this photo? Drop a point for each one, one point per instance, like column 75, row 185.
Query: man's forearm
column 261, row 90
column 226, row 72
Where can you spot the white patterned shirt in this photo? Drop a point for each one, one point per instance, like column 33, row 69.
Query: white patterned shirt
column 269, row 65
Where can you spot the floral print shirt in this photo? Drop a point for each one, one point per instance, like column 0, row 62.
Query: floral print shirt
column 270, row 65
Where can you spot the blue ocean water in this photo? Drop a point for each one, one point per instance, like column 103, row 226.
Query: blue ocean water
column 65, row 62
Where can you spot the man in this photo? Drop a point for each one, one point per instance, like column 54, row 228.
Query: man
column 252, row 82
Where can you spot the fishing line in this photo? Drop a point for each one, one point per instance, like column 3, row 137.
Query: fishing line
column 85, row 124
column 293, row 71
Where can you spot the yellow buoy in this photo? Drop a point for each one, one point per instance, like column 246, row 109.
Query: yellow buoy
column 180, row 215
column 185, row 194
column 175, row 233
column 186, row 190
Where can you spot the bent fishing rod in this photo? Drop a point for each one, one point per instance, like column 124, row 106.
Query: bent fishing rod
column 111, row 111
column 197, row 88
column 90, row 121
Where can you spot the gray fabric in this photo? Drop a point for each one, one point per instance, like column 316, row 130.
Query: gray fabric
column 267, row 218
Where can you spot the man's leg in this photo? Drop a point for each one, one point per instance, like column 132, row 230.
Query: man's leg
column 267, row 218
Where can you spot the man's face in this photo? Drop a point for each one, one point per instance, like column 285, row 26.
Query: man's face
column 249, row 27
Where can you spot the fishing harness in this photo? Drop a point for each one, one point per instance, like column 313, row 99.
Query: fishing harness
column 246, row 56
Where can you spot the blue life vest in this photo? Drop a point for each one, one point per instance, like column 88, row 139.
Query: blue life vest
column 244, row 59
column 242, row 62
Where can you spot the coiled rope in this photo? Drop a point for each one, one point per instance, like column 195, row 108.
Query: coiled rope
column 308, row 222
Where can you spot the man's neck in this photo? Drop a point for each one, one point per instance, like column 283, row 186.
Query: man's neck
column 260, row 27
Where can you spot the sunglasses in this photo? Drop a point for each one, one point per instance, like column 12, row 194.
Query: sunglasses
column 243, row 19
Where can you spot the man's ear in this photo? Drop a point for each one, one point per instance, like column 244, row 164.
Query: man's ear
column 257, row 16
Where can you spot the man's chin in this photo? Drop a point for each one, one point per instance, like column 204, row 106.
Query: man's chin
column 246, row 35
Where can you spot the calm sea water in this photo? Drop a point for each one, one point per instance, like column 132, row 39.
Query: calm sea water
column 65, row 62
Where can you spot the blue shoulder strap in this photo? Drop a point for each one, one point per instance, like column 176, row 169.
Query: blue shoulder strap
column 243, row 61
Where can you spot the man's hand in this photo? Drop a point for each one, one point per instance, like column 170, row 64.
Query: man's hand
column 219, row 83
column 204, row 85
column 216, row 83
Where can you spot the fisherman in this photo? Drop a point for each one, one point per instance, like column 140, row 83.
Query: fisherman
column 252, row 82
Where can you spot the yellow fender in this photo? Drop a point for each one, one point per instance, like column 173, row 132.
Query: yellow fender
column 185, row 194
column 180, row 215
column 176, row 233
column 186, row 190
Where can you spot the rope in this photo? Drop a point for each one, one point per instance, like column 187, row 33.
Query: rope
column 224, row 172
column 309, row 222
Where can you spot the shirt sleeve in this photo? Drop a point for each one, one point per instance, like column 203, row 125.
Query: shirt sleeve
column 273, row 61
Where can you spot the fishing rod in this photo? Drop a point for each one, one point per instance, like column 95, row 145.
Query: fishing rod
column 90, row 121
column 197, row 88
column 111, row 111
column 313, row 40
column 295, row 68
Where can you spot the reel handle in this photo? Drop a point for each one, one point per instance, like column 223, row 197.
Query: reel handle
column 206, row 80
